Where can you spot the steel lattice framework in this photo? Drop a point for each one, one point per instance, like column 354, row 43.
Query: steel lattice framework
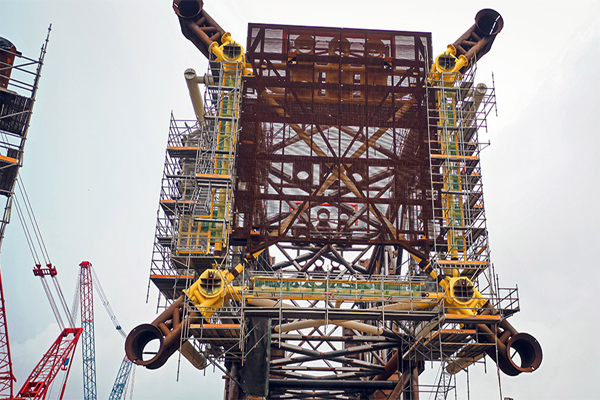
column 6, row 371
column 88, row 348
column 121, row 380
column 58, row 357
column 333, row 140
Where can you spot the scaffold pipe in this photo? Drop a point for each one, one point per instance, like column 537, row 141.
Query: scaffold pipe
column 312, row 323
column 192, row 82
column 477, row 95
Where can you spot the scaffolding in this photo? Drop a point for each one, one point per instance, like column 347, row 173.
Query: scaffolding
column 193, row 217
column 19, row 78
column 337, row 230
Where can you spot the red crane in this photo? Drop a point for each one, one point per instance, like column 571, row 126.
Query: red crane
column 6, row 373
column 57, row 358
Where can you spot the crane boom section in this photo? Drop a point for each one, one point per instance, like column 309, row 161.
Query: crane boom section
column 88, row 348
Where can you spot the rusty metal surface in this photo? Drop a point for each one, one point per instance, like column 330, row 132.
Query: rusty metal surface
column 166, row 328
column 508, row 344
column 8, row 52
column 333, row 141
column 478, row 39
column 197, row 25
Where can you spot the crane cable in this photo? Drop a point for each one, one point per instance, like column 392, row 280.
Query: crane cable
column 113, row 318
column 37, row 246
column 33, row 251
column 106, row 304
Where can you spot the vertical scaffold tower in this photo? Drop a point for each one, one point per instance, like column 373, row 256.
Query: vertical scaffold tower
column 337, row 242
column 193, row 223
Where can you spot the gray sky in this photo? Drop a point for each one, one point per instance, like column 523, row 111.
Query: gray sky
column 93, row 164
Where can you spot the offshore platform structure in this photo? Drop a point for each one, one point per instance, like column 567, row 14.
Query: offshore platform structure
column 321, row 230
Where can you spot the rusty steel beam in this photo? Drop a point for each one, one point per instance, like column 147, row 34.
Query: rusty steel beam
column 197, row 25
column 508, row 342
column 322, row 384
column 167, row 329
column 478, row 39
column 356, row 134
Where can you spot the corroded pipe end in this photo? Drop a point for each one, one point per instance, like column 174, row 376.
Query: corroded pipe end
column 138, row 339
column 8, row 51
column 188, row 8
column 529, row 353
column 488, row 22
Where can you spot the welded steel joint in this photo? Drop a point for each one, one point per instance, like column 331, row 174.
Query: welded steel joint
column 478, row 39
column 196, row 25
column 515, row 352
column 166, row 328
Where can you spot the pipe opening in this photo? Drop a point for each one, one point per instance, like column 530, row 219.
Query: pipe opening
column 232, row 51
column 489, row 22
column 447, row 62
column 188, row 8
column 463, row 290
column 143, row 344
column 524, row 352
column 211, row 283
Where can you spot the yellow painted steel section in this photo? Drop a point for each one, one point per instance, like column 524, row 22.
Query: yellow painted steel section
column 198, row 237
column 446, row 66
column 230, row 51
column 214, row 289
column 339, row 290
column 444, row 73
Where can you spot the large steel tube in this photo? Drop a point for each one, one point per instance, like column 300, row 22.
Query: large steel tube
column 515, row 352
column 166, row 328
column 331, row 384
column 192, row 83
column 390, row 367
column 311, row 323
column 529, row 352
column 196, row 25
column 478, row 39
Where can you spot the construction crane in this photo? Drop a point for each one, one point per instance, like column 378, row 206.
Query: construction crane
column 358, row 152
column 58, row 358
column 124, row 375
column 122, row 380
column 60, row 355
column 88, row 347
column 6, row 369
column 86, row 283
column 19, row 79
column 17, row 97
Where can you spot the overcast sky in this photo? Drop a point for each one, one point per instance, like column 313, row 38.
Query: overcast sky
column 93, row 164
